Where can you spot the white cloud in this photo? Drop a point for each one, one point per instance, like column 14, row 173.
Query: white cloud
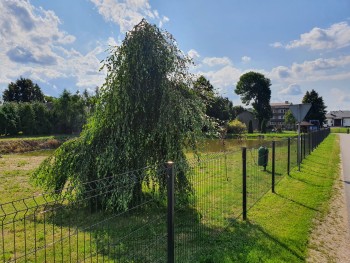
column 292, row 89
column 33, row 45
column 193, row 54
column 336, row 36
column 314, row 70
column 245, row 59
column 127, row 13
column 276, row 45
column 340, row 95
column 28, row 35
column 163, row 20
column 224, row 77
column 216, row 61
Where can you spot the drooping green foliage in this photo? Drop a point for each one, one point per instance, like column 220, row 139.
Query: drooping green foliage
column 255, row 87
column 146, row 115
column 318, row 108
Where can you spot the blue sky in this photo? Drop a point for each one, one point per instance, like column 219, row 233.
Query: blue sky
column 300, row 45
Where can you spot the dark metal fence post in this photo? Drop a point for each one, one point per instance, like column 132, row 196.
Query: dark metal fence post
column 171, row 212
column 273, row 166
column 301, row 147
column 309, row 134
column 288, row 162
column 244, row 184
column 304, row 145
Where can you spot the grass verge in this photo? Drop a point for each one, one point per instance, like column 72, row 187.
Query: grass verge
column 339, row 129
column 280, row 224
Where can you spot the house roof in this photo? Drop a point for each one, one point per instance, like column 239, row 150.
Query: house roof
column 338, row 114
column 280, row 104
column 305, row 123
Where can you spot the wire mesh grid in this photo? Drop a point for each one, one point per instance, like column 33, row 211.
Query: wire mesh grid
column 258, row 178
column 58, row 227
column 281, row 160
column 217, row 199
column 77, row 224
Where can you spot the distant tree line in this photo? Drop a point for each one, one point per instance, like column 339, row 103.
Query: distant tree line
column 26, row 110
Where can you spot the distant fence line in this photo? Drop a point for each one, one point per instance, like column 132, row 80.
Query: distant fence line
column 155, row 227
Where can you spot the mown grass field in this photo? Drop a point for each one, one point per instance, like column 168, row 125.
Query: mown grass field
column 209, row 229
column 284, row 134
column 339, row 129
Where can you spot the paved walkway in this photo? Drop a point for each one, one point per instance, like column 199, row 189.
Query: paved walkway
column 345, row 155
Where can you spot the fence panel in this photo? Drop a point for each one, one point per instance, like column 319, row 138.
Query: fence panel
column 79, row 225
column 217, row 199
column 61, row 228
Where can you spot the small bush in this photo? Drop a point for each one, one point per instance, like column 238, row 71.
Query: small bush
column 236, row 127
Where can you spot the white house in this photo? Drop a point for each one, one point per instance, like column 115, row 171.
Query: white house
column 338, row 118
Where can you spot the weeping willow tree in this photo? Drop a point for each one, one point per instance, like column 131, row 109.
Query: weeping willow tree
column 147, row 114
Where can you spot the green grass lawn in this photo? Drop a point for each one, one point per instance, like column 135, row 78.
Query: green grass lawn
column 208, row 229
column 339, row 129
column 36, row 137
column 279, row 224
column 284, row 134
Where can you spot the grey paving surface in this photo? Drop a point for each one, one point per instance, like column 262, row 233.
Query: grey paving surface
column 345, row 155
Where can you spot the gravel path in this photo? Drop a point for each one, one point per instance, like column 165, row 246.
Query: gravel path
column 330, row 240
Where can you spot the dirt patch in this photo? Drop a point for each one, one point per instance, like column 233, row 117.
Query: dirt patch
column 330, row 240
column 20, row 146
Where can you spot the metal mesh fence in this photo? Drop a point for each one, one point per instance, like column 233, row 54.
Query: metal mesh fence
column 217, row 199
column 78, row 226
column 52, row 227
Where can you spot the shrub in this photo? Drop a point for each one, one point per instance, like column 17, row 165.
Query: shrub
column 236, row 127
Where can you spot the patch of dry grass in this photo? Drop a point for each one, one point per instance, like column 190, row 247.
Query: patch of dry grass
column 15, row 171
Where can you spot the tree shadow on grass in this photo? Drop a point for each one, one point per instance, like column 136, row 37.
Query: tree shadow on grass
column 296, row 202
column 140, row 235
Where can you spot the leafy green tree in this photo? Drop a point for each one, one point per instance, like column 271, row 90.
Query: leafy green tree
column 70, row 112
column 42, row 124
column 3, row 121
column 23, row 90
column 318, row 108
column 236, row 110
column 254, row 87
column 217, row 107
column 289, row 119
column 264, row 126
column 204, row 90
column 221, row 109
column 10, row 110
column 147, row 114
column 26, row 118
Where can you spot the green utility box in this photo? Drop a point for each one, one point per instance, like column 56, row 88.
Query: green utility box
column 263, row 156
